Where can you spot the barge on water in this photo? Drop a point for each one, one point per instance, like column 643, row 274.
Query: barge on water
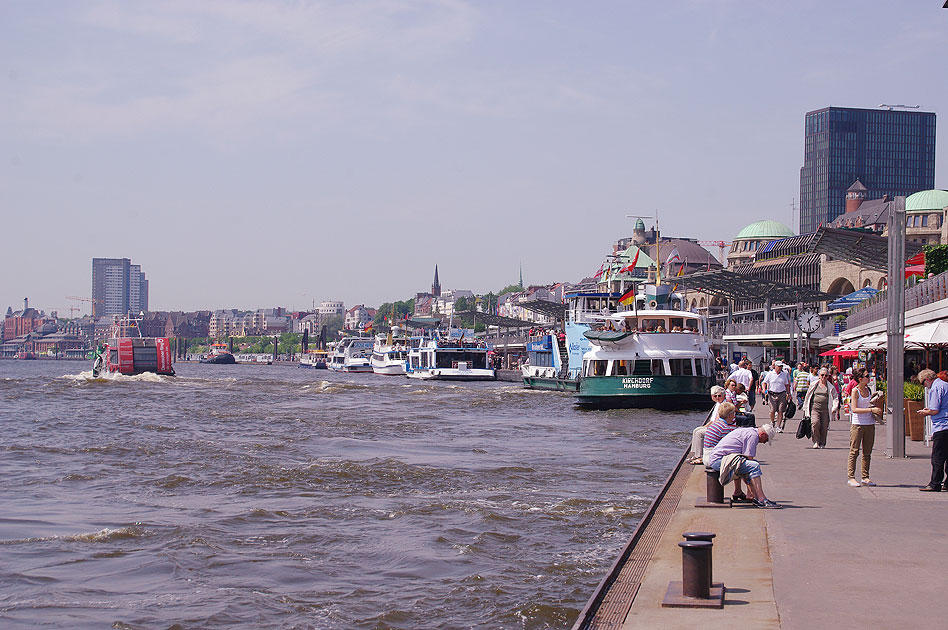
column 127, row 352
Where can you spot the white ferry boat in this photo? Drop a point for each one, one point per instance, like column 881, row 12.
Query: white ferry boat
column 449, row 360
column 352, row 355
column 656, row 355
column 390, row 354
column 317, row 359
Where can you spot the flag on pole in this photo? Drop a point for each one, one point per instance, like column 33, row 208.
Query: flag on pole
column 628, row 297
column 674, row 255
column 602, row 268
column 631, row 265
column 681, row 272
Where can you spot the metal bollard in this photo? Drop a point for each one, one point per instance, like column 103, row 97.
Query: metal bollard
column 695, row 569
column 707, row 537
column 714, row 492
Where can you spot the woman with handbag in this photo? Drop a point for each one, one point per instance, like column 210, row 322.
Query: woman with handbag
column 820, row 404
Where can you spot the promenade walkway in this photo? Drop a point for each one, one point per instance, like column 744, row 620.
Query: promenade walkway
column 834, row 557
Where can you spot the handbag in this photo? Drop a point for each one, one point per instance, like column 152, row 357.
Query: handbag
column 791, row 409
column 804, row 429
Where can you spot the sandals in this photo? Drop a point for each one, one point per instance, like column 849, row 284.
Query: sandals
column 694, row 461
column 740, row 498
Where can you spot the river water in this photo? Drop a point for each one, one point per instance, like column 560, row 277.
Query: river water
column 276, row 497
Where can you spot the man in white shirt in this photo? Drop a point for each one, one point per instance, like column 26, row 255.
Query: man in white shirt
column 743, row 375
column 776, row 386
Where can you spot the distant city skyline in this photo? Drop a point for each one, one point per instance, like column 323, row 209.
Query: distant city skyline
column 252, row 154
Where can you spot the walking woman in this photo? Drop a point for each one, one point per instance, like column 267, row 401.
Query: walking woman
column 820, row 404
column 862, row 433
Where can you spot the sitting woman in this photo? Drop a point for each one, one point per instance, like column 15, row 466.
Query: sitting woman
column 730, row 391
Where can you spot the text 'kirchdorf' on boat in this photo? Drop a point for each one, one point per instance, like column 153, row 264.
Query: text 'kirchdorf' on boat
column 451, row 356
column 655, row 355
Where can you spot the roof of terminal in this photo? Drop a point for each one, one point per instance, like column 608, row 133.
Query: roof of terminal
column 927, row 200
column 765, row 229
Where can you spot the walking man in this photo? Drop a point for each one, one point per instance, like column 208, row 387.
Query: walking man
column 937, row 408
column 776, row 386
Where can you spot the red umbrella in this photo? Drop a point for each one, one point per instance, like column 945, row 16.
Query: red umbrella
column 915, row 270
column 917, row 259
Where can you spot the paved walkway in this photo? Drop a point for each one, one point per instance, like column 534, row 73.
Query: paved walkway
column 835, row 556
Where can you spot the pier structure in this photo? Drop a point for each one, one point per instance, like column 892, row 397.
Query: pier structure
column 834, row 556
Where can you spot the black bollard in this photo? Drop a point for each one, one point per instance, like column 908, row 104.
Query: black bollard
column 695, row 556
column 714, row 491
column 707, row 537
column 695, row 589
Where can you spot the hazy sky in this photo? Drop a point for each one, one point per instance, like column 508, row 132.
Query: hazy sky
column 253, row 154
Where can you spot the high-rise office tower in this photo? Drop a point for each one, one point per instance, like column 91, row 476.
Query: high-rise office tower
column 891, row 152
column 118, row 287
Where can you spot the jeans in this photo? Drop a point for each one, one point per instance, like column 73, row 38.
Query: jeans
column 939, row 458
column 751, row 399
column 861, row 435
column 749, row 469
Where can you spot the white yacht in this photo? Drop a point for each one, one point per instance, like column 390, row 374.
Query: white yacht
column 352, row 355
column 390, row 354
column 449, row 360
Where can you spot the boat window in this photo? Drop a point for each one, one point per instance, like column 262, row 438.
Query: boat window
column 680, row 367
column 631, row 323
column 643, row 367
column 597, row 368
column 621, row 368
column 653, row 325
column 676, row 323
column 692, row 324
column 658, row 367
column 699, row 367
column 113, row 356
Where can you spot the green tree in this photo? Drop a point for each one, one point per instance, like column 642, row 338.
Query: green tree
column 461, row 304
column 333, row 326
column 511, row 288
column 936, row 259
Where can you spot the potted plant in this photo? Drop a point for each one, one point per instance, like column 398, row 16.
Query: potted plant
column 914, row 423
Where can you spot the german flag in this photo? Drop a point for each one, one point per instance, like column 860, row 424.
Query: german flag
column 628, row 298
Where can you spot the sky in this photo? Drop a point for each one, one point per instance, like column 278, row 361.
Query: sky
column 255, row 154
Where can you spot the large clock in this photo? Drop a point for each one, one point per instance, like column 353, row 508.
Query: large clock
column 808, row 320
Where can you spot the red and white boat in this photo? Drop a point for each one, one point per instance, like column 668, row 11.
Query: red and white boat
column 127, row 352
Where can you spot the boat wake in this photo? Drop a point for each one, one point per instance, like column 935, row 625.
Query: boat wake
column 108, row 377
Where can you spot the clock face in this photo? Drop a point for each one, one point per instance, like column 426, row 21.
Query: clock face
column 808, row 321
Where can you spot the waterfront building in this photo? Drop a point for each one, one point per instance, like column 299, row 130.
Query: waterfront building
column 358, row 317
column 118, row 287
column 890, row 152
column 19, row 323
column 330, row 308
column 745, row 245
column 925, row 214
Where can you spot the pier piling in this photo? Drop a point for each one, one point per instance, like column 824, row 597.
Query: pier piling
column 695, row 589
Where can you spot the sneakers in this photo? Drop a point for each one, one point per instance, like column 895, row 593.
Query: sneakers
column 767, row 504
column 779, row 429
column 852, row 483
column 867, row 482
column 929, row 489
column 815, row 446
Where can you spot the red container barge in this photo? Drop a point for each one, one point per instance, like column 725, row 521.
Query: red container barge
column 129, row 354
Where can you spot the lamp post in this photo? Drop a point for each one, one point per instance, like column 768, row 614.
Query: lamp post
column 895, row 328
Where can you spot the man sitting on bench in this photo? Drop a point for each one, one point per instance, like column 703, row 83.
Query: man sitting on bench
column 743, row 441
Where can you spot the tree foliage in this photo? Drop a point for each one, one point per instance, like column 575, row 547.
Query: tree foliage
column 402, row 308
column 936, row 259
column 511, row 288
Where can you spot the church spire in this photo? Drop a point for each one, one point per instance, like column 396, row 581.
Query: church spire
column 521, row 275
column 436, row 285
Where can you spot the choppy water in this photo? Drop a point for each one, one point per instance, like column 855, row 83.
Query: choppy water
column 270, row 496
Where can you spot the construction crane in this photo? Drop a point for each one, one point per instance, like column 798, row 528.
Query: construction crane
column 720, row 245
column 83, row 299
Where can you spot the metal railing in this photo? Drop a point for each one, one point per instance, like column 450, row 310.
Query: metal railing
column 925, row 292
column 760, row 327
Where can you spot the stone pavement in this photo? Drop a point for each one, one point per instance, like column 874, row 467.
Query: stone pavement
column 835, row 556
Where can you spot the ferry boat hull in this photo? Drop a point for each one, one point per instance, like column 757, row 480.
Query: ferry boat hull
column 552, row 383
column 450, row 374
column 224, row 358
column 644, row 392
column 131, row 356
column 392, row 369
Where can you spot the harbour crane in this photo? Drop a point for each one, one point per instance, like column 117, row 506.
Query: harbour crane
column 720, row 245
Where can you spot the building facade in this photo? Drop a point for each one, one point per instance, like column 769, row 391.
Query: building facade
column 118, row 287
column 891, row 152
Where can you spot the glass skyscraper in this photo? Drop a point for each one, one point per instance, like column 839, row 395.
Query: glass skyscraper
column 891, row 152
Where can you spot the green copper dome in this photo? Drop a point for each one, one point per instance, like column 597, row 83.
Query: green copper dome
column 927, row 200
column 640, row 225
column 765, row 229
